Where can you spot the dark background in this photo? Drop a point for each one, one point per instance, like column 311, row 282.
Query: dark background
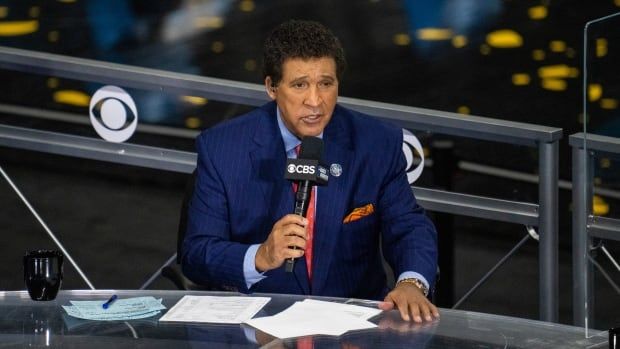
column 119, row 222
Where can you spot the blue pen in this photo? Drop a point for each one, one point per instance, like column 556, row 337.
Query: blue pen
column 107, row 304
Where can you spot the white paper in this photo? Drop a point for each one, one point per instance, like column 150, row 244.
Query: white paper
column 315, row 318
column 353, row 310
column 221, row 310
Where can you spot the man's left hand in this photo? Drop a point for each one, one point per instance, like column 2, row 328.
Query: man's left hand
column 411, row 303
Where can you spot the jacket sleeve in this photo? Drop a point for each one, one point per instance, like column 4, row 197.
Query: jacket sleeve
column 409, row 237
column 208, row 254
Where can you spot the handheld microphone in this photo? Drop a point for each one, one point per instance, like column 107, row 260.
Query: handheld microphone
column 307, row 172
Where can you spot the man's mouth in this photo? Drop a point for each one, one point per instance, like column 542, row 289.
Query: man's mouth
column 312, row 118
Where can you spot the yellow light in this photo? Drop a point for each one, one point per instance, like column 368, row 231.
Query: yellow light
column 16, row 28
column 595, row 91
column 4, row 11
column 538, row 55
column 537, row 12
column 434, row 34
column 601, row 47
column 605, row 163
column 463, row 109
column 193, row 122
column 485, row 49
column 459, row 41
column 250, row 65
column 52, row 83
column 194, row 100
column 557, row 46
column 617, row 3
column 553, row 84
column 557, row 71
column 609, row 103
column 72, row 97
column 217, row 46
column 34, row 11
column 208, row 22
column 401, row 39
column 599, row 206
column 53, row 36
column 504, row 38
column 521, row 79
column 573, row 72
column 246, row 5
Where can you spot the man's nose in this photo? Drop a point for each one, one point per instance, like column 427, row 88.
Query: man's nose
column 313, row 99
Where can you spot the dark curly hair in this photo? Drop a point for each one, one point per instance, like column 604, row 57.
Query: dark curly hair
column 300, row 39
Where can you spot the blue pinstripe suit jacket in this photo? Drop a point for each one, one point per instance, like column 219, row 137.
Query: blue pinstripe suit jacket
column 241, row 192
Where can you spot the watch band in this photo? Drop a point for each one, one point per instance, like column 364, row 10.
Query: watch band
column 419, row 284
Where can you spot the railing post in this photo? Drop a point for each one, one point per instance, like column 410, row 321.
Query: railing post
column 582, row 207
column 548, row 162
column 444, row 166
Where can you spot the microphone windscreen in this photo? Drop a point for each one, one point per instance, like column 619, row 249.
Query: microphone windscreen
column 311, row 148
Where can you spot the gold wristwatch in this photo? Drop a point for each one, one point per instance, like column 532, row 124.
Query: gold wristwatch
column 419, row 284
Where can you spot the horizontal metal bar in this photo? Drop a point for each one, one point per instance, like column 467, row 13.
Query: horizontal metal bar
column 97, row 149
column 477, row 206
column 254, row 94
column 80, row 119
column 595, row 142
column 131, row 76
column 604, row 228
column 457, row 124
column 185, row 162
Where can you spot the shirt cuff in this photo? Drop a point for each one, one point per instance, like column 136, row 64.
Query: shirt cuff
column 249, row 267
column 412, row 275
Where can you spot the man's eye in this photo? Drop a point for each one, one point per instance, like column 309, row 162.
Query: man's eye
column 299, row 85
column 326, row 84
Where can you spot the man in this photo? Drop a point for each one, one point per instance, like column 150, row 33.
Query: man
column 240, row 228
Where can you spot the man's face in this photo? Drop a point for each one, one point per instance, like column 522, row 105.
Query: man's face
column 306, row 95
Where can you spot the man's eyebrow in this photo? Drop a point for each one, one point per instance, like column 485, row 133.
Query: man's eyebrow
column 299, row 78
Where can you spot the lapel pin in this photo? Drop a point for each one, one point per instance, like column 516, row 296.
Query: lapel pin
column 335, row 170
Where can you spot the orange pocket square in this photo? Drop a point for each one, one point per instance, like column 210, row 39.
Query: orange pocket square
column 359, row 213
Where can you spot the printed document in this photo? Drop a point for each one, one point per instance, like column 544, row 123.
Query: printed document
column 221, row 310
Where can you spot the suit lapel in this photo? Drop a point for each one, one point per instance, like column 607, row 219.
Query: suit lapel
column 268, row 162
column 332, row 201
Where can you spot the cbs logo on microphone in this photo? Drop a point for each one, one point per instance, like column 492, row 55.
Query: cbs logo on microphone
column 305, row 169
column 113, row 114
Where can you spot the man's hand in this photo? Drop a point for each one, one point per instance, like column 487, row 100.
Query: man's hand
column 410, row 302
column 289, row 231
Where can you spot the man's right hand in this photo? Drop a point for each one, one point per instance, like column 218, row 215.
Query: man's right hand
column 288, row 232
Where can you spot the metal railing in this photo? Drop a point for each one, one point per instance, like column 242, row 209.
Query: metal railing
column 586, row 225
column 543, row 214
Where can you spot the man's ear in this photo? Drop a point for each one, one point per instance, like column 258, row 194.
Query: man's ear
column 270, row 86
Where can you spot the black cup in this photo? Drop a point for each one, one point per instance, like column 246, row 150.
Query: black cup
column 43, row 274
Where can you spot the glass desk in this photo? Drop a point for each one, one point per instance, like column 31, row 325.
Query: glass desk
column 28, row 324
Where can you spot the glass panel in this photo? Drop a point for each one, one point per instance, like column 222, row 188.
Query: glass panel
column 119, row 223
column 474, row 57
column 601, row 100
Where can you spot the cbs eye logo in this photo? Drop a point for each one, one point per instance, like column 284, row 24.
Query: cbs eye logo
column 113, row 114
column 412, row 145
column 291, row 168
